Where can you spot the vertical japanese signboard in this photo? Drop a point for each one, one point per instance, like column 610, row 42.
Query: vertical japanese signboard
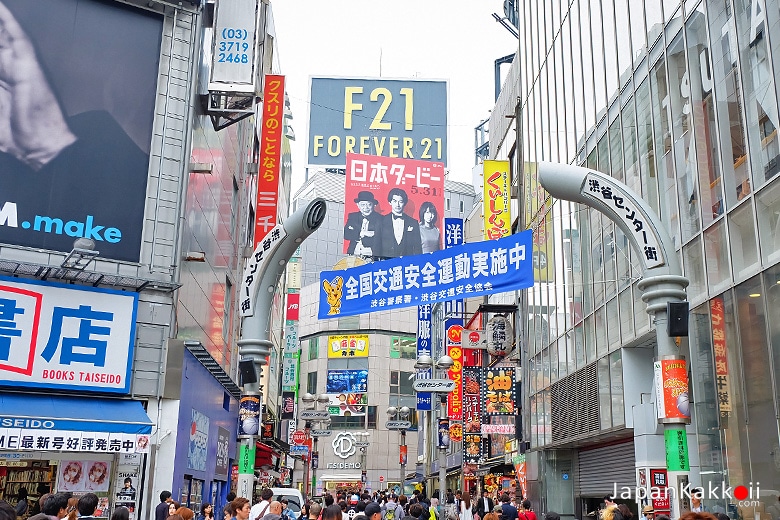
column 671, row 386
column 722, row 383
column 499, row 391
column 233, row 55
column 538, row 215
column 271, row 135
column 453, row 333
column 424, row 349
column 66, row 337
column 398, row 206
column 496, row 199
column 473, row 452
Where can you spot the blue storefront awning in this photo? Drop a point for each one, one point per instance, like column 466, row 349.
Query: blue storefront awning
column 88, row 414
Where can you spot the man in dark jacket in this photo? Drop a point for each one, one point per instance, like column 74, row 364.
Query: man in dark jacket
column 485, row 504
column 399, row 233
column 508, row 511
column 161, row 511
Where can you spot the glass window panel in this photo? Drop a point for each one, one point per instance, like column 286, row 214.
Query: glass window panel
column 579, row 345
column 702, row 104
column 616, row 388
column 629, row 149
column 544, row 111
column 601, row 332
column 586, row 259
column 597, row 53
column 597, row 254
column 644, row 131
column 625, row 275
column 582, row 22
column 563, row 119
column 605, row 400
column 623, row 40
column 761, row 430
column 610, row 274
column 610, row 47
column 625, row 303
column 693, row 264
column 717, row 256
column 743, row 240
column 612, row 323
column 772, row 284
column 590, row 339
column 547, row 420
column 570, row 353
column 545, row 368
column 670, row 9
column 636, row 12
column 642, row 319
column 654, row 20
column 682, row 131
column 616, row 149
column 759, row 88
column 663, row 148
column 768, row 212
column 728, row 102
column 554, row 362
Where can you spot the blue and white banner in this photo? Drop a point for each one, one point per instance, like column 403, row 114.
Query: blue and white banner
column 476, row 269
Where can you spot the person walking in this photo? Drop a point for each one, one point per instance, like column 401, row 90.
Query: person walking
column 484, row 505
column 465, row 507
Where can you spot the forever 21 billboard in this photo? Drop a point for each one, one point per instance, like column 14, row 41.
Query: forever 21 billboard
column 79, row 81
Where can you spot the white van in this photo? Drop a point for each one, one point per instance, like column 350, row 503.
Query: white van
column 294, row 499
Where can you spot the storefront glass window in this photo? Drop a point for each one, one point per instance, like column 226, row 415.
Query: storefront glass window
column 758, row 80
column 693, row 265
column 768, row 212
column 744, row 252
column 703, row 383
column 760, row 432
column 605, row 399
column 702, row 108
column 728, row 102
column 772, row 284
column 716, row 253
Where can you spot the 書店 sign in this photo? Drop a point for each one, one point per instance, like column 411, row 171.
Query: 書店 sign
column 66, row 337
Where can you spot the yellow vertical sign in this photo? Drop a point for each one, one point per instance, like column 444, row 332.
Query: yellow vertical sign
column 496, row 199
column 538, row 217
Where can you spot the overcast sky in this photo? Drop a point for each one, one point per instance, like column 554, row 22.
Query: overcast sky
column 454, row 40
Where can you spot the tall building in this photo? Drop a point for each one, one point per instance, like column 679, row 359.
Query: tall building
column 679, row 101
column 127, row 206
column 386, row 364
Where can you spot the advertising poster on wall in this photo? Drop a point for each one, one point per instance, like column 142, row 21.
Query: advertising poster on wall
column 404, row 118
column 199, row 440
column 84, row 475
column 393, row 207
column 348, row 345
column 125, row 489
column 83, row 125
column 351, row 381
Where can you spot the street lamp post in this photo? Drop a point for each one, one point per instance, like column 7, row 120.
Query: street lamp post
column 312, row 401
column 403, row 414
column 442, row 364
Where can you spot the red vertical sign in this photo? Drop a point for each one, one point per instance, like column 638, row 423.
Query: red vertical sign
column 293, row 306
column 270, row 156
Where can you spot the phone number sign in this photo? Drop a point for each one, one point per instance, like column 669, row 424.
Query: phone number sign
column 66, row 337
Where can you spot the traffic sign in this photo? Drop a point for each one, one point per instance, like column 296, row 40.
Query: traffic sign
column 298, row 437
column 299, row 450
column 320, row 433
column 381, row 478
column 314, row 415
column 434, row 385
column 398, row 425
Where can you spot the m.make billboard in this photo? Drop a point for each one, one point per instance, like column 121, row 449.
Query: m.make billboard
column 80, row 83
column 403, row 118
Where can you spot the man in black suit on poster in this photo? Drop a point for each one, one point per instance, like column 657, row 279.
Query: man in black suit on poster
column 399, row 233
column 362, row 227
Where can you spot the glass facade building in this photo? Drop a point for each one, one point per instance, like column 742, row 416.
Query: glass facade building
column 679, row 101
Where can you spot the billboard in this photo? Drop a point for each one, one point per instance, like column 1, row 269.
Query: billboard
column 470, row 269
column 399, row 206
column 348, row 345
column 66, row 337
column 346, row 381
column 80, row 91
column 496, row 199
column 403, row 118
